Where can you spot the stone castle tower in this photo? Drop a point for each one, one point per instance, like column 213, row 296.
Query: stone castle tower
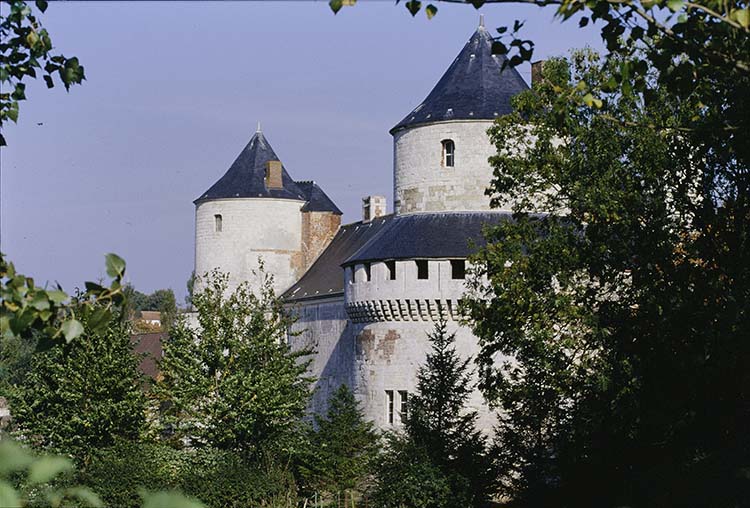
column 440, row 149
column 257, row 213
column 401, row 272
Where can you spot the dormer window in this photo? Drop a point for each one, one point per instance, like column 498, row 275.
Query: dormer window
column 217, row 223
column 449, row 153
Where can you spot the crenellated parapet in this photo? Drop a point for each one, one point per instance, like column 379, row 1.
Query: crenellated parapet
column 371, row 311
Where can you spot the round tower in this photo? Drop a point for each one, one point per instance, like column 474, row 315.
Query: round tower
column 251, row 215
column 440, row 149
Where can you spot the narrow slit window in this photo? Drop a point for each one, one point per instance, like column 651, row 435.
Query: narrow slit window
column 449, row 153
column 389, row 406
column 423, row 269
column 458, row 268
column 404, row 401
column 368, row 272
column 218, row 223
column 391, row 266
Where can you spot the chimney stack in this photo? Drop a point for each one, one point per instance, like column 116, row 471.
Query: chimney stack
column 372, row 207
column 536, row 72
column 273, row 175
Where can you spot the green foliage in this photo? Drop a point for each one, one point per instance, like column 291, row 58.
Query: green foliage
column 623, row 303
column 25, row 50
column 25, row 478
column 406, row 477
column 30, row 312
column 81, row 396
column 233, row 382
column 439, row 422
column 342, row 448
column 218, row 479
column 190, row 288
column 441, row 435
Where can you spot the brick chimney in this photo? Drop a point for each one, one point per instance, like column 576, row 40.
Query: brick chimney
column 372, row 207
column 273, row 175
column 536, row 71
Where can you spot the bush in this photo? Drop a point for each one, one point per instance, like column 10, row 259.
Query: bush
column 405, row 477
column 219, row 479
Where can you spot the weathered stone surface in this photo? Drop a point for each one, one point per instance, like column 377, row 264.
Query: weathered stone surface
column 252, row 230
column 423, row 184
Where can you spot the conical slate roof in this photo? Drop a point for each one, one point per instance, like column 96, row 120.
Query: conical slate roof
column 472, row 88
column 317, row 200
column 246, row 177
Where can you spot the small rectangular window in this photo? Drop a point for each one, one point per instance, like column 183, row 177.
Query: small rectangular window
column 458, row 268
column 217, row 222
column 368, row 272
column 391, row 266
column 389, row 406
column 404, row 401
column 423, row 269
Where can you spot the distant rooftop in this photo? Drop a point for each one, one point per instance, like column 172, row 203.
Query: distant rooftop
column 473, row 87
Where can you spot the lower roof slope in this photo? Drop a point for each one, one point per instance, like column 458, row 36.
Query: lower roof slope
column 413, row 236
column 326, row 277
column 429, row 235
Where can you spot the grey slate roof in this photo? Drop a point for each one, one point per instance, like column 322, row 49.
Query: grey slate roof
column 317, row 200
column 246, row 176
column 326, row 277
column 472, row 88
column 413, row 236
column 428, row 235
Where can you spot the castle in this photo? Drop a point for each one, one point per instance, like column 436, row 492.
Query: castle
column 366, row 294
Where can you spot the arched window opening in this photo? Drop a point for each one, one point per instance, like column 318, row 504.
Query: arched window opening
column 449, row 153
column 218, row 223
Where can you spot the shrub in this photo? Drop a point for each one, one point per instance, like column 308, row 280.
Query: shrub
column 218, row 478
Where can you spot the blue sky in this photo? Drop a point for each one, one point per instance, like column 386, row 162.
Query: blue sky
column 173, row 93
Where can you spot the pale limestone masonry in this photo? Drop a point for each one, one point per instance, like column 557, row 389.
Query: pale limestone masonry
column 252, row 229
column 422, row 182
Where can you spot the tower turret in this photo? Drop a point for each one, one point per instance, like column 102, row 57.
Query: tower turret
column 257, row 213
column 440, row 149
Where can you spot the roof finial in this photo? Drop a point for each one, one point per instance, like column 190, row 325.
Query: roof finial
column 481, row 21
column 258, row 130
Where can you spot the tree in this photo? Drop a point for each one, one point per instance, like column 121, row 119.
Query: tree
column 623, row 300
column 406, row 477
column 26, row 47
column 439, row 425
column 233, row 381
column 342, row 448
column 439, row 422
column 82, row 396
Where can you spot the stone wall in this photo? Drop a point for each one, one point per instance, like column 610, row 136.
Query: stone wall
column 251, row 229
column 423, row 184
column 318, row 229
column 322, row 325
column 388, row 355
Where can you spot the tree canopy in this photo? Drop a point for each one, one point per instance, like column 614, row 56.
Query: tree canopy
column 231, row 380
column 623, row 299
